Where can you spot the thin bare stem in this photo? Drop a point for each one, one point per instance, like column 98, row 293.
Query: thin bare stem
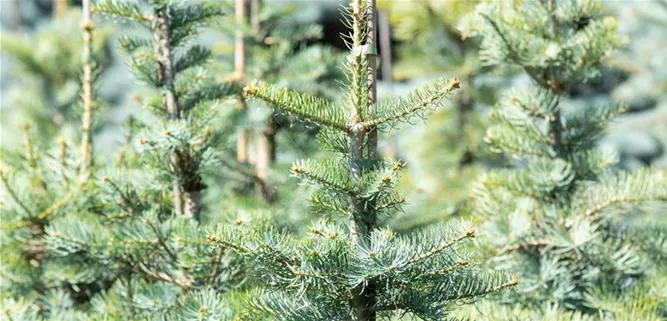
column 262, row 162
column 239, row 75
column 384, row 41
column 88, row 95
column 264, row 138
column 13, row 195
column 239, row 48
column 29, row 154
column 242, row 146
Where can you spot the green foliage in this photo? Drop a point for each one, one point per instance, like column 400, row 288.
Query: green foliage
column 576, row 32
column 49, row 66
column 39, row 185
column 277, row 48
column 186, row 94
column 280, row 49
column 350, row 266
column 554, row 217
column 313, row 109
column 112, row 247
column 428, row 43
column 135, row 240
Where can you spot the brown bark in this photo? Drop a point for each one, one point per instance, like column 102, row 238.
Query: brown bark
column 239, row 48
column 239, row 75
column 387, row 70
column 192, row 204
column 60, row 7
column 385, row 46
column 371, row 81
column 178, row 198
column 166, row 68
column 242, row 146
column 187, row 191
column 263, row 148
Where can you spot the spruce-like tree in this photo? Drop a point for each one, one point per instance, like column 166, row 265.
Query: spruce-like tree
column 184, row 107
column 140, row 237
column 272, row 46
column 49, row 66
column 557, row 216
column 41, row 182
column 429, row 44
column 350, row 267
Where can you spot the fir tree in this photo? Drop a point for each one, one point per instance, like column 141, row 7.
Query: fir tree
column 429, row 44
column 273, row 47
column 174, row 67
column 557, row 217
column 41, row 182
column 49, row 66
column 152, row 262
column 351, row 267
column 88, row 95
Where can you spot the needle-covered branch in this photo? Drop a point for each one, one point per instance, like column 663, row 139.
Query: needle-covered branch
column 413, row 105
column 350, row 265
column 550, row 217
column 307, row 107
column 626, row 189
column 123, row 9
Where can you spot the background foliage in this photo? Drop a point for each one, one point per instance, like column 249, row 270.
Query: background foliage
column 281, row 218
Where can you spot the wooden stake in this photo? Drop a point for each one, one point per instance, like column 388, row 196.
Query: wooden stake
column 60, row 7
column 242, row 146
column 385, row 46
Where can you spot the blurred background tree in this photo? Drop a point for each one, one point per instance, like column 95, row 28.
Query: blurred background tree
column 557, row 217
column 289, row 43
column 269, row 43
column 47, row 67
column 428, row 44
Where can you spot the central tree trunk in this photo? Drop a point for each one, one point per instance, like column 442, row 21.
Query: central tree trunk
column 364, row 220
column 187, row 200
